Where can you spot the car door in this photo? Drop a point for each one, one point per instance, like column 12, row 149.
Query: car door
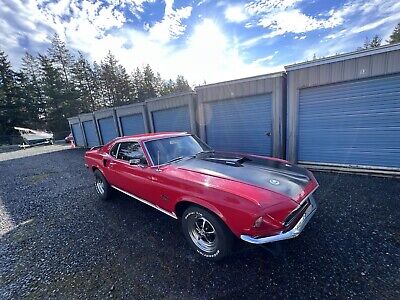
column 132, row 174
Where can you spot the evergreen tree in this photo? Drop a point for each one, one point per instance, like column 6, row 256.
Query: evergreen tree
column 11, row 106
column 34, row 90
column 61, row 57
column 149, row 83
column 58, row 106
column 395, row 36
column 181, row 85
column 376, row 41
column 55, row 86
column 85, row 85
column 138, row 88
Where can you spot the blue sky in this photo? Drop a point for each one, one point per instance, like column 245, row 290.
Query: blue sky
column 203, row 40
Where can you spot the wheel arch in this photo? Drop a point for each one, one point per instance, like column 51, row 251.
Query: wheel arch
column 183, row 204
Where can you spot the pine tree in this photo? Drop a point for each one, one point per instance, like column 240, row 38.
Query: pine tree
column 395, row 36
column 61, row 57
column 108, row 79
column 181, row 85
column 137, row 82
column 58, row 106
column 85, row 84
column 149, row 83
column 368, row 44
column 34, row 90
column 13, row 110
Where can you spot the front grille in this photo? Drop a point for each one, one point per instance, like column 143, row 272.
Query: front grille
column 297, row 212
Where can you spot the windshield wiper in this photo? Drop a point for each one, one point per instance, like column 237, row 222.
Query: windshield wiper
column 174, row 159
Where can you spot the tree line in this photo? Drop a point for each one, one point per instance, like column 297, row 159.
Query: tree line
column 376, row 40
column 53, row 86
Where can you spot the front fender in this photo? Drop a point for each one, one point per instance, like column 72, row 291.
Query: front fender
column 238, row 221
column 203, row 203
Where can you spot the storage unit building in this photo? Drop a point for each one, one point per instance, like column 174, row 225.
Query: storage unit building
column 344, row 111
column 89, row 130
column 76, row 130
column 106, row 125
column 132, row 119
column 245, row 115
column 172, row 113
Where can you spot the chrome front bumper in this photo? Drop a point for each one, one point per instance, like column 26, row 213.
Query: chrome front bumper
column 294, row 232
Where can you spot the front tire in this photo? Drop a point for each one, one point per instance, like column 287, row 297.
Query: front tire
column 103, row 188
column 206, row 233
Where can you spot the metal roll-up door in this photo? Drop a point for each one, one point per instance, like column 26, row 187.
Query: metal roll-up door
column 78, row 135
column 353, row 124
column 107, row 129
column 240, row 125
column 132, row 124
column 173, row 119
column 90, row 133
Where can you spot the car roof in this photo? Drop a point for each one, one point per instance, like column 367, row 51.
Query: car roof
column 149, row 136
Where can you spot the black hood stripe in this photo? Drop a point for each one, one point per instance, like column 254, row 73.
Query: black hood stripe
column 268, row 174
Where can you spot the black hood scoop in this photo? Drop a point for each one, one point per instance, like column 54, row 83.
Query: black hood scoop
column 273, row 175
column 230, row 161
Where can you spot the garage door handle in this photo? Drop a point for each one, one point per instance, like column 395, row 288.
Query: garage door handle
column 268, row 133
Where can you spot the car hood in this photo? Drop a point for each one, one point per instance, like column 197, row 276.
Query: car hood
column 273, row 175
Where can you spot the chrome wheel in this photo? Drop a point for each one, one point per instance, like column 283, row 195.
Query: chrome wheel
column 203, row 234
column 99, row 184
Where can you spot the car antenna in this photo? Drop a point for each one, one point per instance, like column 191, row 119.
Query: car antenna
column 158, row 160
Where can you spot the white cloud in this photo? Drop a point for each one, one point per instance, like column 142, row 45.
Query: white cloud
column 171, row 26
column 235, row 14
column 281, row 16
column 206, row 54
column 294, row 21
column 266, row 59
column 217, row 59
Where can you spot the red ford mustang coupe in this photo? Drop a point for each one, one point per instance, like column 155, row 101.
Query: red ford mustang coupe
column 217, row 196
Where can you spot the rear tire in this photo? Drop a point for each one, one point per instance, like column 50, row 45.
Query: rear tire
column 206, row 233
column 103, row 188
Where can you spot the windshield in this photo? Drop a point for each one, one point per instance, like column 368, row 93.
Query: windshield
column 175, row 148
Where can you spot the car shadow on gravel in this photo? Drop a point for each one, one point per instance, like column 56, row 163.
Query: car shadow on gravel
column 59, row 241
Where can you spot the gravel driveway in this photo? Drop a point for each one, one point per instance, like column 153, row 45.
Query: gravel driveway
column 58, row 241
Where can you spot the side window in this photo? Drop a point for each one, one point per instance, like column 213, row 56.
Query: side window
column 114, row 150
column 131, row 150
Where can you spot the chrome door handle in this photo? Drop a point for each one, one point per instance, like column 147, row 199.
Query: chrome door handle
column 112, row 163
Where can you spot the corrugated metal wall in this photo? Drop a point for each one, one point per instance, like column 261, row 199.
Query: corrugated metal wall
column 246, row 115
column 171, row 119
column 354, row 88
column 76, row 130
column 352, row 123
column 132, row 119
column 173, row 113
column 106, row 124
column 90, row 132
column 132, row 124
column 331, row 105
column 77, row 133
column 240, row 125
column 107, row 129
